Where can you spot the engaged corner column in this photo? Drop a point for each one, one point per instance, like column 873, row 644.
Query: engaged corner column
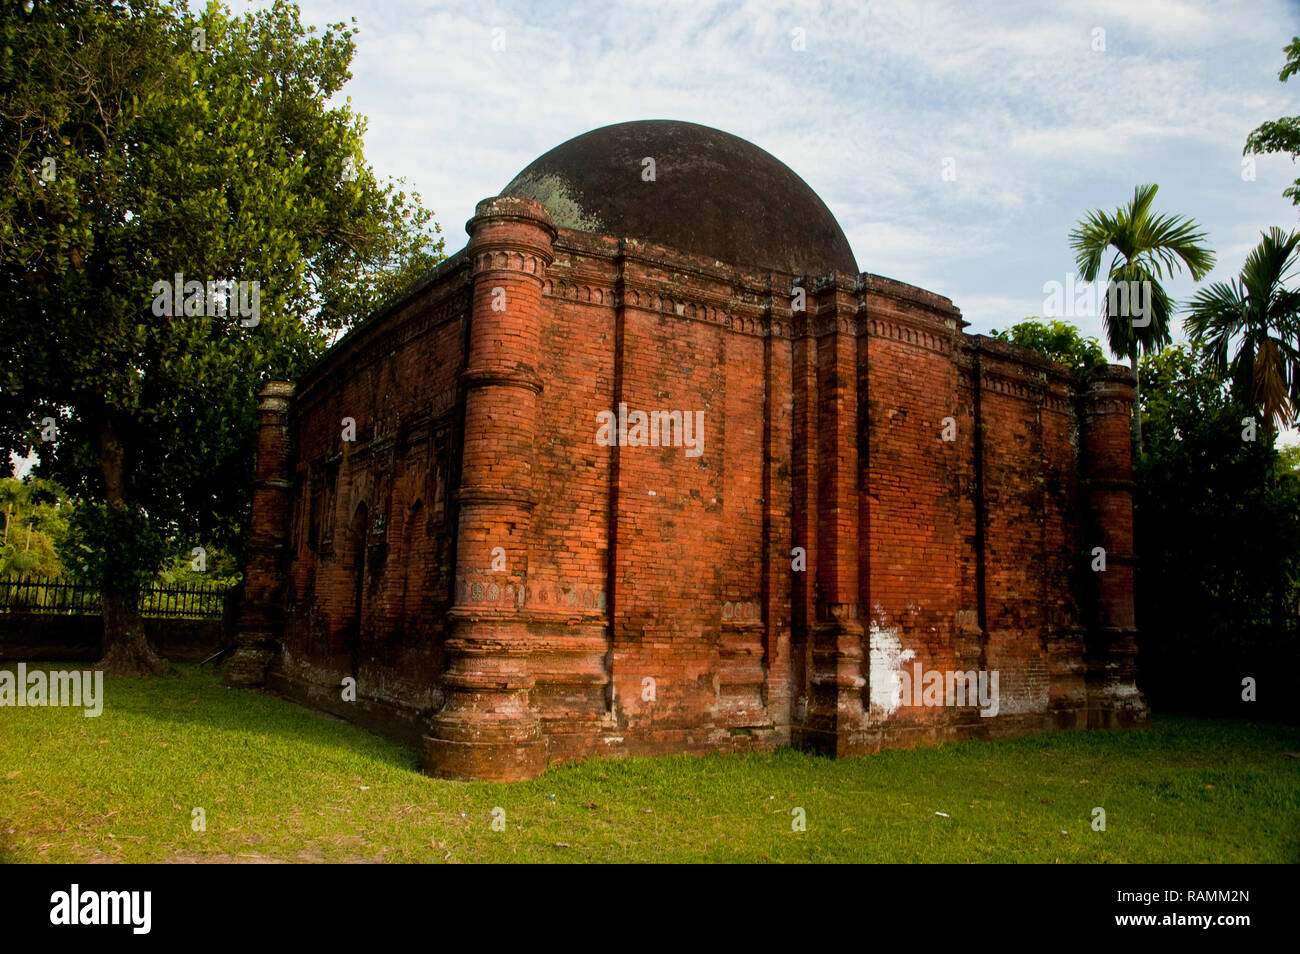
column 261, row 612
column 836, row 720
column 1111, row 643
column 487, row 728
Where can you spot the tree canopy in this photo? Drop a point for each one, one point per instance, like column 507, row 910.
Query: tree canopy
column 1057, row 340
column 1281, row 135
column 1217, row 528
column 1144, row 248
column 35, row 523
column 186, row 212
column 1251, row 328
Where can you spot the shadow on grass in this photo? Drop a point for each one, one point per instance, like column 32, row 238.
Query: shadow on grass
column 194, row 697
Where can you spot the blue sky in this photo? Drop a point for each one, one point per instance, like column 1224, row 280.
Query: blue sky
column 1040, row 122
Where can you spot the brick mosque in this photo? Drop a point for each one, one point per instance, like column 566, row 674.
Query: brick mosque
column 649, row 466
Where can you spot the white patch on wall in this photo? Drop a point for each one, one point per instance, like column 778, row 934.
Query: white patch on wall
column 887, row 657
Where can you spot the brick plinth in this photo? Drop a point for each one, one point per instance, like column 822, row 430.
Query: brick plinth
column 835, row 692
column 486, row 730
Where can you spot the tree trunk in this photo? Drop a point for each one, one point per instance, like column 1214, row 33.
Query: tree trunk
column 126, row 649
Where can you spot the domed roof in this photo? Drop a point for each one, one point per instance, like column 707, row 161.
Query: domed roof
column 713, row 194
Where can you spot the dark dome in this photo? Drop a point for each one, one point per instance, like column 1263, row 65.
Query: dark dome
column 714, row 194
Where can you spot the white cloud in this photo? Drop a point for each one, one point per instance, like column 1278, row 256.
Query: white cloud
column 1041, row 126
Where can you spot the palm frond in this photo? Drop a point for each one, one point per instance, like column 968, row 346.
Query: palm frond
column 1090, row 239
column 1269, row 390
column 1214, row 318
column 1261, row 315
column 1147, row 248
column 1171, row 238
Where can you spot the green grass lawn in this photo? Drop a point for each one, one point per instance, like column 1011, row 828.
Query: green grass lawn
column 279, row 783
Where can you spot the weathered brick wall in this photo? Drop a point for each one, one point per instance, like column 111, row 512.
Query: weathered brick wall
column 568, row 573
column 688, row 529
column 913, row 494
column 370, row 536
column 662, row 553
column 1017, row 581
column 647, row 602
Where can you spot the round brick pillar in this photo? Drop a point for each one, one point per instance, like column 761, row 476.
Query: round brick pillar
column 261, row 611
column 487, row 729
column 1111, row 643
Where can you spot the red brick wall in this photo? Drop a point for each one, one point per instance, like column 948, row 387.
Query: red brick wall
column 396, row 377
column 568, row 542
column 912, row 488
column 659, row 608
column 1016, row 580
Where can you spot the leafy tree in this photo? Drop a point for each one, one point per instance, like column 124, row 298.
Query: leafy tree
column 1058, row 340
column 35, row 525
column 140, row 142
column 1217, row 528
column 219, row 568
column 1289, row 457
column 1281, row 135
column 1145, row 246
column 1262, row 315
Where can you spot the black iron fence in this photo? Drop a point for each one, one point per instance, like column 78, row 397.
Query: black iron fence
column 174, row 601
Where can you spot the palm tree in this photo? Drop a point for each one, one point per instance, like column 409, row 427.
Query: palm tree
column 1262, row 316
column 1147, row 246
